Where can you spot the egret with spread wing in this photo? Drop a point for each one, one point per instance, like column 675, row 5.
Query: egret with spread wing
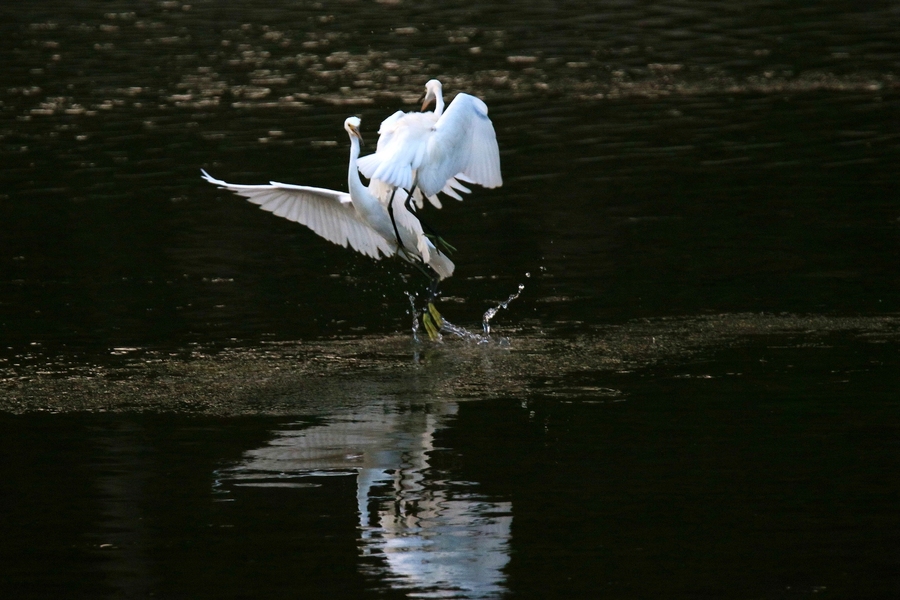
column 428, row 150
column 357, row 219
column 431, row 152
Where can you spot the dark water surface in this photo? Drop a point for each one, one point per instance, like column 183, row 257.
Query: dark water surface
column 694, row 396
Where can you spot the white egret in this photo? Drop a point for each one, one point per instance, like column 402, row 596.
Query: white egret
column 358, row 218
column 431, row 152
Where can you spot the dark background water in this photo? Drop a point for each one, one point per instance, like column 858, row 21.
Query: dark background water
column 696, row 393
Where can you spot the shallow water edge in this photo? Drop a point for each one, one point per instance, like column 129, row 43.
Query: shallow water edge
column 284, row 378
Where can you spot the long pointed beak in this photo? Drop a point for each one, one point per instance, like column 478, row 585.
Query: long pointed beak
column 359, row 136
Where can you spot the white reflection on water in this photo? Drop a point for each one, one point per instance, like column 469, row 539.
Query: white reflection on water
column 424, row 534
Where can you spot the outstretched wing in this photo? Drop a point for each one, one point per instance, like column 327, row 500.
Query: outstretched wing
column 329, row 213
column 368, row 164
column 402, row 142
column 387, row 128
column 463, row 145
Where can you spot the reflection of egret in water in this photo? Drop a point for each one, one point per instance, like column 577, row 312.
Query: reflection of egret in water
column 425, row 535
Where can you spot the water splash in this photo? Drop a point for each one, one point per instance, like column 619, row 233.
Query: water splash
column 415, row 316
column 462, row 332
column 485, row 338
column 486, row 319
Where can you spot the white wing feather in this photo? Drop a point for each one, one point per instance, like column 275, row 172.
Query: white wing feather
column 329, row 213
column 402, row 149
column 464, row 145
column 368, row 164
column 437, row 153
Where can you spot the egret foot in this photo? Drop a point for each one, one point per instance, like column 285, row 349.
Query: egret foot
column 441, row 244
column 433, row 322
column 430, row 327
column 438, row 319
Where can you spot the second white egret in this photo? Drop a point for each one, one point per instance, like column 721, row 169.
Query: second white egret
column 429, row 151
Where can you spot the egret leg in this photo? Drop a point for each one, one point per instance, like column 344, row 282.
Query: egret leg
column 424, row 268
column 439, row 241
column 394, row 221
column 433, row 289
column 431, row 317
column 433, row 321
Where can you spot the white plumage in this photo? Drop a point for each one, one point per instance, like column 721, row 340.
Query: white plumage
column 435, row 152
column 358, row 219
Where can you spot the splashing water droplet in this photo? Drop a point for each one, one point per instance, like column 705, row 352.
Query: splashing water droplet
column 486, row 319
column 462, row 332
column 415, row 316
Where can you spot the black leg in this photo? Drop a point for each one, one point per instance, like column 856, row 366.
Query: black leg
column 433, row 289
column 394, row 222
column 431, row 317
column 439, row 241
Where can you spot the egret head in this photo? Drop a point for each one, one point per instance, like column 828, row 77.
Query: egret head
column 433, row 91
column 352, row 127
